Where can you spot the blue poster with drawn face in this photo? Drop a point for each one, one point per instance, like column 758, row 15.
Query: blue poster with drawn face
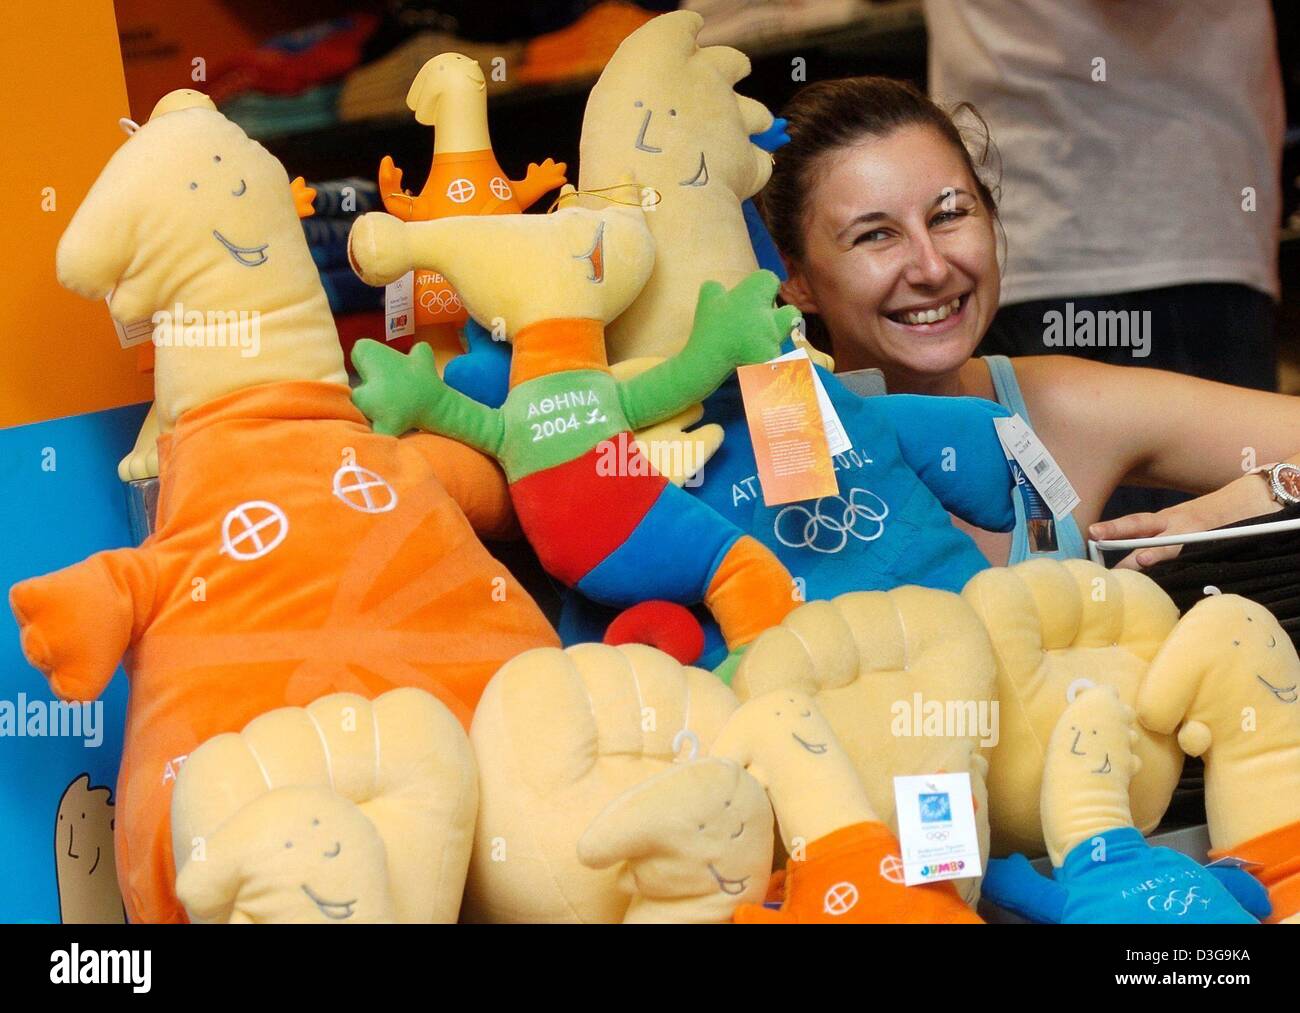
column 60, row 501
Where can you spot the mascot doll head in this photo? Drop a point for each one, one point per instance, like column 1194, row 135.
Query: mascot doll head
column 189, row 225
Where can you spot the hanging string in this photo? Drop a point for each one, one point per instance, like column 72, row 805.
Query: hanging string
column 601, row 192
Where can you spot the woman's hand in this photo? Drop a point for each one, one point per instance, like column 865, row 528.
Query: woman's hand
column 1245, row 497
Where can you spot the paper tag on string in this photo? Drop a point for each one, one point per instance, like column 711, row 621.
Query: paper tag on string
column 787, row 431
column 399, row 307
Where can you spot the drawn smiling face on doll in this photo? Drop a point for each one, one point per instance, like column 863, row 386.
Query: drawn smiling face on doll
column 697, row 830
column 682, row 127
column 1267, row 653
column 293, row 855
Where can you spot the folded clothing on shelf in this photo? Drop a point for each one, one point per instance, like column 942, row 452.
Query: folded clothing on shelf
column 583, row 48
column 735, row 22
column 295, row 61
column 379, row 89
column 262, row 115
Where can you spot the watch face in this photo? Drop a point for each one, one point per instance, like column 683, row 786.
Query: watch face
column 1287, row 479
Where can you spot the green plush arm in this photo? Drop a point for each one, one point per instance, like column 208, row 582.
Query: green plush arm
column 403, row 392
column 731, row 329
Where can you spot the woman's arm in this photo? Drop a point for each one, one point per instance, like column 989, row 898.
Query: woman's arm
column 1126, row 425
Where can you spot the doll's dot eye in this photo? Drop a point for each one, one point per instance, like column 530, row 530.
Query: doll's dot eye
column 83, row 816
column 701, row 826
column 1249, row 619
column 315, row 822
column 726, row 804
column 60, row 817
column 194, row 186
column 672, row 112
column 288, row 844
column 1236, row 643
column 638, row 103
column 216, row 158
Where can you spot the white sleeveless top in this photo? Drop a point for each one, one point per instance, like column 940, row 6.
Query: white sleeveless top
column 1135, row 181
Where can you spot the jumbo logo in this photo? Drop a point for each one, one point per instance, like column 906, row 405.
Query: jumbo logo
column 943, row 868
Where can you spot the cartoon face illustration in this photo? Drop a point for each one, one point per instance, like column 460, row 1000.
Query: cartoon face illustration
column 293, row 855
column 83, row 855
column 805, row 725
column 1095, row 735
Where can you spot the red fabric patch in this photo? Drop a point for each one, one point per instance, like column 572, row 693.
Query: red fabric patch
column 576, row 514
column 663, row 624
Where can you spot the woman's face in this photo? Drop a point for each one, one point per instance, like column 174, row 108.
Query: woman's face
column 900, row 258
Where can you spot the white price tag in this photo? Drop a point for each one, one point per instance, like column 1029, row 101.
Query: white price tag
column 936, row 828
column 135, row 333
column 1037, row 463
column 399, row 307
column 837, row 439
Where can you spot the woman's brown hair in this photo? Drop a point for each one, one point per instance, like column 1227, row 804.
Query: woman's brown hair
column 827, row 116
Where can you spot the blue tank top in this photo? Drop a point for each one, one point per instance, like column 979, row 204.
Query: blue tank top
column 1069, row 539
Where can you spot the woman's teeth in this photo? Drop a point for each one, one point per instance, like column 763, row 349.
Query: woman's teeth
column 930, row 316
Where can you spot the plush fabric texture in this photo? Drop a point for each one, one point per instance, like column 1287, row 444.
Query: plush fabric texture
column 844, row 862
column 394, row 788
column 1228, row 681
column 348, row 567
column 665, row 115
column 559, row 735
column 1052, row 624
column 914, row 461
column 1117, row 878
column 885, row 668
column 296, row 553
column 1105, row 872
column 1277, row 858
column 693, row 843
column 564, row 434
column 855, row 877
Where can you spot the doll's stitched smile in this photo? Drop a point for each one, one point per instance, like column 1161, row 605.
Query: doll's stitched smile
column 249, row 256
column 1287, row 694
column 816, row 748
column 243, row 187
column 1105, row 767
column 701, row 177
column 728, row 886
column 335, row 910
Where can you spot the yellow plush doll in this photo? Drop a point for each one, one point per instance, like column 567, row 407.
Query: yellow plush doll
column 558, row 736
column 1054, row 627
column 1228, row 682
column 600, row 517
column 905, row 679
column 1103, row 871
column 693, row 842
column 297, row 553
column 665, row 111
column 346, row 810
column 844, row 864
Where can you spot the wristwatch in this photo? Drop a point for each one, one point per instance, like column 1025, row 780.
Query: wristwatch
column 1283, row 481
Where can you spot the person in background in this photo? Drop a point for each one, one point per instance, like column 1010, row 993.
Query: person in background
column 1141, row 145
column 889, row 235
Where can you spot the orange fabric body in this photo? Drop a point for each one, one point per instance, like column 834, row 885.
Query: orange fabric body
column 855, row 876
column 1278, row 855
column 750, row 592
column 296, row 554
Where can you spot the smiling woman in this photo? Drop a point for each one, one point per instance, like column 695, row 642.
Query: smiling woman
column 888, row 227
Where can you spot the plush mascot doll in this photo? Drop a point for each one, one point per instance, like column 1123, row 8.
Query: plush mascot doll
column 1053, row 624
column 693, row 842
column 844, row 866
column 665, row 111
column 600, row 517
column 1103, row 871
column 296, row 553
column 1228, row 681
column 450, row 95
column 343, row 812
column 907, row 681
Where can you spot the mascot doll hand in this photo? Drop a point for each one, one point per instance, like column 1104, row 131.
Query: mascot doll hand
column 1056, row 627
column 379, row 248
column 742, row 321
column 296, row 855
column 558, row 736
column 695, row 842
column 547, row 176
column 394, row 390
column 861, row 654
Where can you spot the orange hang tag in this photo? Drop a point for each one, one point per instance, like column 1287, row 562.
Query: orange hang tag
column 785, row 426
